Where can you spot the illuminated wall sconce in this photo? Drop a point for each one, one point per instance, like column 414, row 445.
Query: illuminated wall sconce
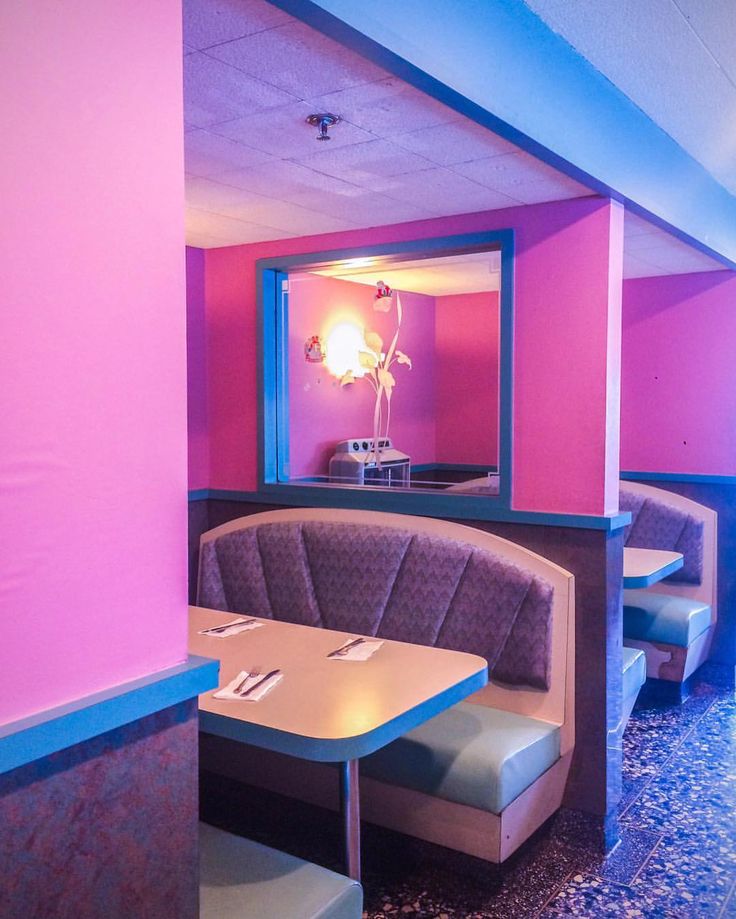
column 345, row 342
column 314, row 351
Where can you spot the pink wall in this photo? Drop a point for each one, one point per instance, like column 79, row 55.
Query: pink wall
column 321, row 412
column 197, row 427
column 467, row 378
column 565, row 317
column 678, row 400
column 93, row 465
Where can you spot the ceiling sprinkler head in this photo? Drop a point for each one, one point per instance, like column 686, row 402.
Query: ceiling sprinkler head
column 323, row 121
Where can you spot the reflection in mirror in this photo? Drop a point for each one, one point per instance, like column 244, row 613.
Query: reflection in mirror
column 393, row 373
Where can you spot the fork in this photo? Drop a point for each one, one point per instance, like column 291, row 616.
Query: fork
column 253, row 672
column 345, row 648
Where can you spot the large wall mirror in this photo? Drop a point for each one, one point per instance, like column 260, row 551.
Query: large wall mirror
column 390, row 370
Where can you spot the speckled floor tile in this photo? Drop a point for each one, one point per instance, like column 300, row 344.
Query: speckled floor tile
column 676, row 858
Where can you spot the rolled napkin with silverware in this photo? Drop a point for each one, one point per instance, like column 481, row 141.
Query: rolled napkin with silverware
column 250, row 686
column 359, row 649
column 234, row 627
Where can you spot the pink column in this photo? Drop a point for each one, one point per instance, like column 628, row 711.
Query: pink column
column 93, row 459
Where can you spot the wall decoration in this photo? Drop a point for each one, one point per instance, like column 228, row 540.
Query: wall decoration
column 314, row 352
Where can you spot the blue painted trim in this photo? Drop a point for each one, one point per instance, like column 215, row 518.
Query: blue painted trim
column 324, row 750
column 273, row 426
column 694, row 477
column 282, row 376
column 456, row 506
column 198, row 494
column 55, row 729
column 543, row 75
column 646, row 580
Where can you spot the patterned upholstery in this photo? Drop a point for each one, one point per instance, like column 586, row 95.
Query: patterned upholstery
column 387, row 582
column 658, row 525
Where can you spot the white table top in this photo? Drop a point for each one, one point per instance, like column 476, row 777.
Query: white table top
column 326, row 709
column 644, row 567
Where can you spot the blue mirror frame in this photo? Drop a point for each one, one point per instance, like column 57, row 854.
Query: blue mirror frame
column 273, row 420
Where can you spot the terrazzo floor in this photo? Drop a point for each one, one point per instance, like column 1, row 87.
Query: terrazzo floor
column 676, row 858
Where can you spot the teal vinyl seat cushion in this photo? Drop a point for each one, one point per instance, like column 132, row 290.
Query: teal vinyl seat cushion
column 470, row 754
column 241, row 879
column 634, row 672
column 665, row 618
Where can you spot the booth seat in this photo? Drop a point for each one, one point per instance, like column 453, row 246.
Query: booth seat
column 241, row 879
column 672, row 621
column 634, row 677
column 480, row 777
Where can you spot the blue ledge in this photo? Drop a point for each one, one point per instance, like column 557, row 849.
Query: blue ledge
column 55, row 729
column 452, row 507
column 694, row 477
column 342, row 749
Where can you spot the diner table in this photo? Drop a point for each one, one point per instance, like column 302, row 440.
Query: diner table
column 329, row 709
column 644, row 567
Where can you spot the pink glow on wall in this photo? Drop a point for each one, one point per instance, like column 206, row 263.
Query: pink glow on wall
column 678, row 397
column 321, row 412
column 197, row 428
column 93, row 465
column 467, row 378
column 562, row 425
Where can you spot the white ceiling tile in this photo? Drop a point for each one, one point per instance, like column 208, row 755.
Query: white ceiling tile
column 363, row 163
column 288, row 181
column 456, row 142
column 207, row 154
column 635, row 226
column 386, row 108
column 638, row 268
column 714, row 21
column 443, row 192
column 283, row 132
column 229, row 229
column 209, row 22
column 298, row 59
column 522, row 177
column 214, row 197
column 215, row 92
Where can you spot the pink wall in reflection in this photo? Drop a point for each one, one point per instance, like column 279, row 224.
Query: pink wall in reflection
column 93, row 463
column 467, row 378
column 678, row 398
column 197, row 386
column 321, row 412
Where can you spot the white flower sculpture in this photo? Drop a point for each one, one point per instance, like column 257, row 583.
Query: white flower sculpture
column 377, row 366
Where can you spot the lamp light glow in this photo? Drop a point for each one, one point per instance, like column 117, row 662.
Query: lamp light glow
column 343, row 345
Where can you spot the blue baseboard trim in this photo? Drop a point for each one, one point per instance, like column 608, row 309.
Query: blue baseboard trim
column 198, row 494
column 54, row 729
column 453, row 507
column 694, row 477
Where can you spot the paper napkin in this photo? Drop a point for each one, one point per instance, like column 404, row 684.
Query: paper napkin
column 231, row 628
column 356, row 652
column 227, row 692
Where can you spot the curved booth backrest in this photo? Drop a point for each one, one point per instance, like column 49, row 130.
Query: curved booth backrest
column 483, row 485
column 664, row 520
column 407, row 579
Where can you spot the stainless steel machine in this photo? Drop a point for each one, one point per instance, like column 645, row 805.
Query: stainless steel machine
column 354, row 463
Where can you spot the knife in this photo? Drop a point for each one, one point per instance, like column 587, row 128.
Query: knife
column 228, row 625
column 347, row 647
column 260, row 682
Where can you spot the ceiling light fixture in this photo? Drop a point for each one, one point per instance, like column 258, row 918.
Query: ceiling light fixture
column 323, row 121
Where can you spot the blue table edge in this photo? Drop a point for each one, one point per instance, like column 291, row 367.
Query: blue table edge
column 46, row 732
column 646, row 580
column 341, row 749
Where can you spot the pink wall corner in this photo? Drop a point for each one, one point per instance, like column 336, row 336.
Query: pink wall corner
column 562, row 429
column 613, row 359
column 678, row 397
column 197, row 425
column 467, row 338
column 93, row 466
column 321, row 412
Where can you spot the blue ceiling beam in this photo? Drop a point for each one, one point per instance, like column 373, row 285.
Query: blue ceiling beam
column 498, row 63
